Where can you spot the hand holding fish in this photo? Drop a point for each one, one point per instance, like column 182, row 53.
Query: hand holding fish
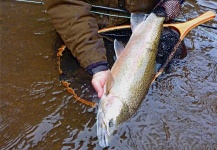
column 98, row 82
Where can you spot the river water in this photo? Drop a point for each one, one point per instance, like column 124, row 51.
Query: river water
column 36, row 112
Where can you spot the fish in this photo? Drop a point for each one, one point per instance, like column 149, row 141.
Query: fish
column 130, row 77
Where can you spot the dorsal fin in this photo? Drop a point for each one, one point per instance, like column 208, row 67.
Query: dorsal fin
column 118, row 48
column 136, row 19
column 109, row 82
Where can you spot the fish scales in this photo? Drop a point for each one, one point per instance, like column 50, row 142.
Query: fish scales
column 129, row 79
column 136, row 65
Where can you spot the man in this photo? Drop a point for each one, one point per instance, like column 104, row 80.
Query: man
column 78, row 28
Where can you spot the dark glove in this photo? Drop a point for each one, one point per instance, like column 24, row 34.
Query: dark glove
column 97, row 67
column 139, row 5
column 168, row 40
column 168, row 8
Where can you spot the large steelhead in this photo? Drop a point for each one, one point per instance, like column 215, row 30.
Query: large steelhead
column 130, row 77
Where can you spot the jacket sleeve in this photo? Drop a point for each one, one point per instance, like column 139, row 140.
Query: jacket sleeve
column 137, row 6
column 79, row 30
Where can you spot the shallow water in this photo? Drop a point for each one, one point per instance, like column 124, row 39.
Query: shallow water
column 36, row 112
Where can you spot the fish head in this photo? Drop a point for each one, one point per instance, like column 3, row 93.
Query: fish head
column 112, row 111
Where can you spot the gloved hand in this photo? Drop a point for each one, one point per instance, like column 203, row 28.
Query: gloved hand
column 168, row 8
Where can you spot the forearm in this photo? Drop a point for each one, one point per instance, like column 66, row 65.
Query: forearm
column 78, row 29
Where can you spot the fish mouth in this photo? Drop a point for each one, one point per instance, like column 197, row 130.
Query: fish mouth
column 102, row 131
column 103, row 138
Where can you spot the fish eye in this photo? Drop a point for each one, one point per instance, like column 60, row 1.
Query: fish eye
column 111, row 123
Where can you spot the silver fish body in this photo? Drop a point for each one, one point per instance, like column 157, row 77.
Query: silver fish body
column 130, row 78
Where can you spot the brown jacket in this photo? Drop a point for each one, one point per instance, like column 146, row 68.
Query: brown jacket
column 78, row 27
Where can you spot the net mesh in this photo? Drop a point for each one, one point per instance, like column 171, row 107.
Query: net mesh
column 168, row 40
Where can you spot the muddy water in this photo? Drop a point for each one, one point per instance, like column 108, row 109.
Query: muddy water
column 36, row 112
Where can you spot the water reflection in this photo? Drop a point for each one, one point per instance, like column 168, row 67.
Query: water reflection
column 36, row 112
column 209, row 4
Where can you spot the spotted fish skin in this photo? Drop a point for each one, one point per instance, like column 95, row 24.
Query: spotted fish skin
column 131, row 77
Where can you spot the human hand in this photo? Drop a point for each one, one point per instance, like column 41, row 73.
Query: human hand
column 98, row 82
